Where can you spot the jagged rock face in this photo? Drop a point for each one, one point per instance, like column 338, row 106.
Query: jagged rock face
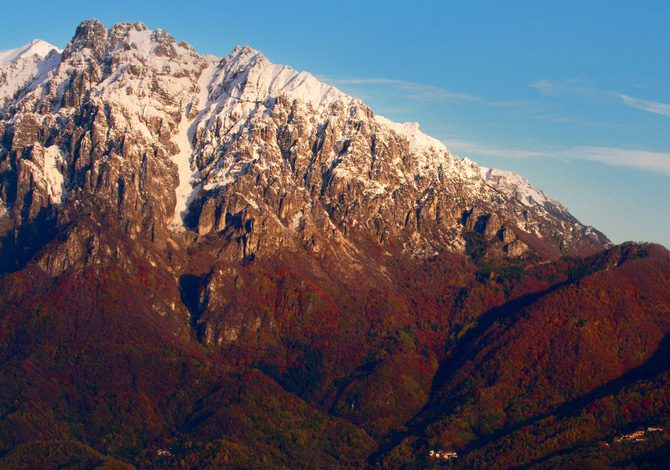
column 289, row 159
column 183, row 149
column 101, row 122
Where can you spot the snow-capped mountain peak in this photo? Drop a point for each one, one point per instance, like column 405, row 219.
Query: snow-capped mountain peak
column 517, row 186
column 36, row 47
column 26, row 66
column 250, row 76
column 176, row 141
column 412, row 132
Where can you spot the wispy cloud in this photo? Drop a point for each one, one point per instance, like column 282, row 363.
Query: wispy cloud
column 651, row 106
column 415, row 91
column 584, row 89
column 571, row 86
column 465, row 149
column 640, row 159
column 413, row 94
column 519, row 105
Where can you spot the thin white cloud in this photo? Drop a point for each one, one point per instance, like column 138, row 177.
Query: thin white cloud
column 422, row 93
column 640, row 159
column 520, row 105
column 415, row 91
column 578, row 87
column 651, row 106
column 466, row 149
column 571, row 86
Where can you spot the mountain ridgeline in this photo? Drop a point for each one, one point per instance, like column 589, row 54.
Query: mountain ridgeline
column 224, row 263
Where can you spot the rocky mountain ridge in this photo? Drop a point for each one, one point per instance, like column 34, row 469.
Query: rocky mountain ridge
column 176, row 141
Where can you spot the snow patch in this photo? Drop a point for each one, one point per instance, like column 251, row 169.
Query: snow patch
column 515, row 185
column 418, row 141
column 295, row 222
column 53, row 161
column 186, row 191
column 46, row 173
column 142, row 39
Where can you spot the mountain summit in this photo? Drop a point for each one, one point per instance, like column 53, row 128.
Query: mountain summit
column 176, row 141
column 213, row 262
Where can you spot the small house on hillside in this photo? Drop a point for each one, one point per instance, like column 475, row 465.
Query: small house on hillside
column 442, row 454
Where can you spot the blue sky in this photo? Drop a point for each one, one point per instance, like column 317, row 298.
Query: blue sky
column 575, row 96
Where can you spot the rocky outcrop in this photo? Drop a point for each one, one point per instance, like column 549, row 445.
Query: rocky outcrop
column 245, row 160
column 105, row 120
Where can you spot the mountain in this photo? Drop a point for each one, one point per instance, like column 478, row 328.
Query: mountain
column 197, row 131
column 224, row 262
